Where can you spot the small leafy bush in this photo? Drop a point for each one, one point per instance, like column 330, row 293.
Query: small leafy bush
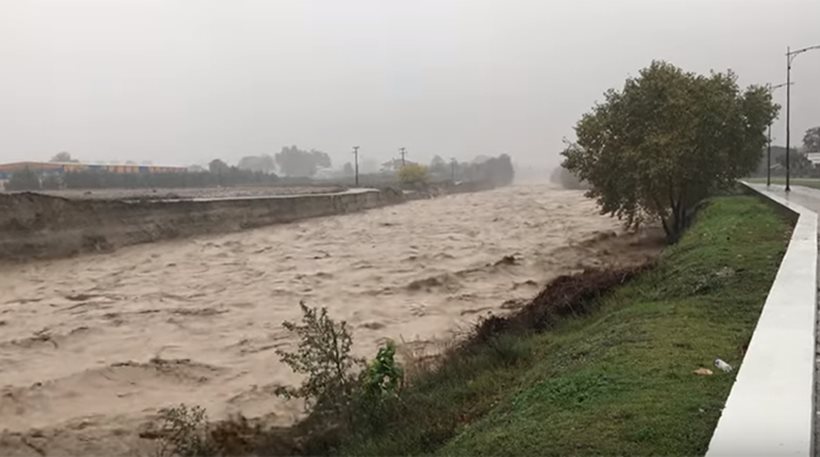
column 323, row 356
column 340, row 390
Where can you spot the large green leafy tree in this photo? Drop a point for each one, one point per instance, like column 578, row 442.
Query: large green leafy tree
column 668, row 139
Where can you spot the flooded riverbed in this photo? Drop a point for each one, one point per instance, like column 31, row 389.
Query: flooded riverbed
column 92, row 346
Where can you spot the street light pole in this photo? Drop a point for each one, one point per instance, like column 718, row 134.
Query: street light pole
column 403, row 152
column 769, row 139
column 769, row 157
column 788, row 101
column 790, row 55
column 356, row 161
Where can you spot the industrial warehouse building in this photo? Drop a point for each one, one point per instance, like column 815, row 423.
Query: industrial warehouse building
column 8, row 169
column 55, row 175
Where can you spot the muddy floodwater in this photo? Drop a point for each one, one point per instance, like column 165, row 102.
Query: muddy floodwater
column 92, row 346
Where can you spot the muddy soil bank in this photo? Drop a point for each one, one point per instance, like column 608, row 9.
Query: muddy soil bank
column 34, row 225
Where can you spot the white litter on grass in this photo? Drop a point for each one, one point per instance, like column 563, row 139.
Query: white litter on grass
column 723, row 365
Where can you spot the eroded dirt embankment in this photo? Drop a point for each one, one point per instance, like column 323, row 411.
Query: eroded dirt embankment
column 92, row 346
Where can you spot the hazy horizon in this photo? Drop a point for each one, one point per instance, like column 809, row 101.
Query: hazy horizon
column 182, row 83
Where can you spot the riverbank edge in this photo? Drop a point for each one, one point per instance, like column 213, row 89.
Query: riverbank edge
column 625, row 378
column 38, row 226
column 771, row 407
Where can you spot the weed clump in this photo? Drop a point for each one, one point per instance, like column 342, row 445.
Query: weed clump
column 384, row 376
column 378, row 392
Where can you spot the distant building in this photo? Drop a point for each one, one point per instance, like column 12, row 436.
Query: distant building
column 46, row 168
column 814, row 157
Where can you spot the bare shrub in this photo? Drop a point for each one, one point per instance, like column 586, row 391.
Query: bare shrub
column 184, row 432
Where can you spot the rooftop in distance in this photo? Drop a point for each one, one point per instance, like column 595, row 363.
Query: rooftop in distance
column 68, row 167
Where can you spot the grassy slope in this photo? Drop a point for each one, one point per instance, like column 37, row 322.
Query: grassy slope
column 618, row 381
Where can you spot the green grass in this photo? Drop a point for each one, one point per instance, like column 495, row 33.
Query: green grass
column 617, row 381
column 808, row 182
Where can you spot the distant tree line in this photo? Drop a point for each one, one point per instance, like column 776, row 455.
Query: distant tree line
column 28, row 180
column 291, row 161
column 263, row 164
column 297, row 167
column 63, row 157
column 497, row 171
column 24, row 180
column 100, row 180
column 296, row 162
column 799, row 164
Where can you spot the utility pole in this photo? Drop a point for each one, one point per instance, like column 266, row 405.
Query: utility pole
column 403, row 153
column 790, row 55
column 769, row 140
column 356, row 161
column 453, row 169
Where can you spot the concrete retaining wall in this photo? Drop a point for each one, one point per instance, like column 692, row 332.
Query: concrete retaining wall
column 39, row 226
column 770, row 409
column 36, row 226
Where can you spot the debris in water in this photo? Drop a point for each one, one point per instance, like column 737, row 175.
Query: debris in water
column 507, row 260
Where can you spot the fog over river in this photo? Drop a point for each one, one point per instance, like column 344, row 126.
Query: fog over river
column 92, row 346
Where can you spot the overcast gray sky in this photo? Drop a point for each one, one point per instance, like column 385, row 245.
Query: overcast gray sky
column 182, row 82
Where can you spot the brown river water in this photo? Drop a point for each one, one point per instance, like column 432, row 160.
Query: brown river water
column 91, row 347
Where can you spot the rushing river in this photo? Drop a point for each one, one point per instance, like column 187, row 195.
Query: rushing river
column 93, row 345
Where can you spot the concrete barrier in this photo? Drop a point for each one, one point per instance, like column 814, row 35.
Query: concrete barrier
column 35, row 226
column 39, row 226
column 770, row 410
